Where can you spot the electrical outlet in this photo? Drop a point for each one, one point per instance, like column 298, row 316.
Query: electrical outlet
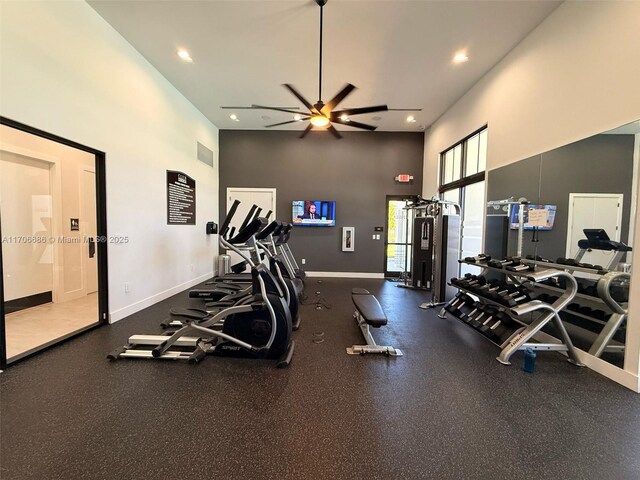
column 304, row 261
column 127, row 287
column 373, row 237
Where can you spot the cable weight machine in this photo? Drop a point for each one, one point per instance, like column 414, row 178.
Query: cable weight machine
column 434, row 247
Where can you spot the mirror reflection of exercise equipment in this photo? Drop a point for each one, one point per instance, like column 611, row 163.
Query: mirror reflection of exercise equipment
column 576, row 225
column 48, row 219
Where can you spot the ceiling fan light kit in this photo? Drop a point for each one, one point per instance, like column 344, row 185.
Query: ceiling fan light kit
column 323, row 115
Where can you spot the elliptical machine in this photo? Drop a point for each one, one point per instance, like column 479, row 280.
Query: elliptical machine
column 258, row 326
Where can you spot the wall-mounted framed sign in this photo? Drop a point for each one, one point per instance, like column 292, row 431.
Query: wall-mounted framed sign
column 181, row 199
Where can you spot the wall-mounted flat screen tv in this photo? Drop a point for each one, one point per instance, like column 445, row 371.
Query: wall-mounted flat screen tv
column 314, row 213
column 551, row 216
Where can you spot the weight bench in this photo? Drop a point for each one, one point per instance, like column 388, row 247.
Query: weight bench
column 369, row 313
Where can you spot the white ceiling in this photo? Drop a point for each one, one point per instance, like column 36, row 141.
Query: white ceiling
column 396, row 52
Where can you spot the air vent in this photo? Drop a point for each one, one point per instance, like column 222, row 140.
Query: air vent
column 205, row 155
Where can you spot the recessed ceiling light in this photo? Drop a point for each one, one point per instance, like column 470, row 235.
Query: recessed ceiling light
column 460, row 57
column 297, row 117
column 234, row 117
column 344, row 118
column 411, row 119
column 184, row 55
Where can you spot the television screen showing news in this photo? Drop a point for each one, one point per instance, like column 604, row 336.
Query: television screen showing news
column 314, row 213
column 550, row 216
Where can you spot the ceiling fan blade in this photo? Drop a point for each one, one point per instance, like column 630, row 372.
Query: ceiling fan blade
column 306, row 130
column 252, row 108
column 277, row 109
column 281, row 123
column 351, row 123
column 405, row 109
column 335, row 132
column 333, row 103
column 358, row 111
column 299, row 97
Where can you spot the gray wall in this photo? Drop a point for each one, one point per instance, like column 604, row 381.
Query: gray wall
column 356, row 171
column 598, row 164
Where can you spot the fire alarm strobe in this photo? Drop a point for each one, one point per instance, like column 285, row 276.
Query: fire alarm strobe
column 404, row 178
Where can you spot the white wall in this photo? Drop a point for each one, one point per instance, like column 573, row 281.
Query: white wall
column 575, row 75
column 66, row 71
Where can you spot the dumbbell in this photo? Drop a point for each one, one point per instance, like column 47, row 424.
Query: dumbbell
column 472, row 280
column 454, row 306
column 477, row 321
column 476, row 307
column 490, row 320
column 478, row 258
column 491, row 286
column 514, row 299
column 504, row 263
column 574, row 307
column 537, row 258
column 585, row 311
column 500, row 330
column 520, row 267
column 504, row 289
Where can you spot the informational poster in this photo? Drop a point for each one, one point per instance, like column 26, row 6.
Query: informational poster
column 538, row 217
column 181, row 199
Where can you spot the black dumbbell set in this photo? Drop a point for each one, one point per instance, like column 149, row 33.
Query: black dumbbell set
column 507, row 294
column 569, row 262
column 491, row 321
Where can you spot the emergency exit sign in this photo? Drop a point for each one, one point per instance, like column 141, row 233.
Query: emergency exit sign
column 404, row 178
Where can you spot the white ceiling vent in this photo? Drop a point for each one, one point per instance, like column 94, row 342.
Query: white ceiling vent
column 205, row 155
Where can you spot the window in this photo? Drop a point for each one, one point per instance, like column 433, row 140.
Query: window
column 462, row 181
column 455, row 171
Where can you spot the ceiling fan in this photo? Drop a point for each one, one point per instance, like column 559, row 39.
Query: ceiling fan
column 324, row 115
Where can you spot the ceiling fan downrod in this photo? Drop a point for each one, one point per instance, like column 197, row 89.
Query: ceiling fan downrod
column 321, row 3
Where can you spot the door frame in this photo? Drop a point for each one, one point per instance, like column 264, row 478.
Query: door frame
column 408, row 197
column 249, row 189
column 572, row 196
column 101, row 226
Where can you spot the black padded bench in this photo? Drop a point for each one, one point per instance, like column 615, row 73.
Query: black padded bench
column 369, row 313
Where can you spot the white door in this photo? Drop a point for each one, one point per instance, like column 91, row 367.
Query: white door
column 89, row 230
column 264, row 198
column 593, row 210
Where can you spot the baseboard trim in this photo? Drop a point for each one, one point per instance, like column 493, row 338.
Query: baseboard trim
column 17, row 304
column 345, row 274
column 158, row 297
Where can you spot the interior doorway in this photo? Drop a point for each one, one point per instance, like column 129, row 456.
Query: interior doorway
column 264, row 198
column 593, row 210
column 397, row 243
column 53, row 263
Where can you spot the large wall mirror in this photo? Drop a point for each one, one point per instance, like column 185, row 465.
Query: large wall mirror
column 587, row 185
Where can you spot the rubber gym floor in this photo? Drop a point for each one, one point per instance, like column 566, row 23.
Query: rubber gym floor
column 446, row 409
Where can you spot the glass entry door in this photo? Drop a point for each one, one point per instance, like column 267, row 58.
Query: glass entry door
column 399, row 223
column 51, row 254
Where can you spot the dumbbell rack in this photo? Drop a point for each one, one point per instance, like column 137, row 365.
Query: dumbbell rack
column 522, row 337
column 615, row 313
